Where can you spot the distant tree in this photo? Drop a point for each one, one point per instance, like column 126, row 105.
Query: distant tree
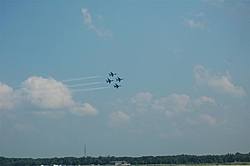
column 178, row 159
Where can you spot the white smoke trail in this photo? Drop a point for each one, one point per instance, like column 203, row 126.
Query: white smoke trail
column 90, row 89
column 77, row 79
column 77, row 85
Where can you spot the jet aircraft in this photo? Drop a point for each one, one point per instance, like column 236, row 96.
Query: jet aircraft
column 112, row 74
column 116, row 86
column 119, row 79
column 109, row 80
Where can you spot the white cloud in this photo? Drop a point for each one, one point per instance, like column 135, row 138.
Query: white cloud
column 203, row 100
column 142, row 100
column 208, row 119
column 173, row 105
column 220, row 83
column 118, row 119
column 202, row 119
column 87, row 18
column 85, row 109
column 47, row 93
column 196, row 21
column 101, row 31
column 194, row 24
column 181, row 107
column 6, row 96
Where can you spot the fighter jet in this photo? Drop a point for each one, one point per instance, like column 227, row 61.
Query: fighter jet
column 112, row 74
column 116, row 86
column 109, row 80
column 119, row 79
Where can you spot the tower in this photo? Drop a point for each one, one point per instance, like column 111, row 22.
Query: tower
column 85, row 150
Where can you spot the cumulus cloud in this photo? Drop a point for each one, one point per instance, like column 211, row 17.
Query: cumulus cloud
column 198, row 102
column 100, row 31
column 173, row 105
column 6, row 96
column 208, row 119
column 142, row 100
column 85, row 109
column 47, row 95
column 219, row 83
column 202, row 119
column 118, row 119
column 178, row 105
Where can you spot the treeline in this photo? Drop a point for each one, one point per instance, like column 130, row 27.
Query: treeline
column 177, row 159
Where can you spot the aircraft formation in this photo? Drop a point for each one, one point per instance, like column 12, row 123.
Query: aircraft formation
column 118, row 79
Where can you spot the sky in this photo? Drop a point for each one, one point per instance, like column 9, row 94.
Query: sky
column 185, row 67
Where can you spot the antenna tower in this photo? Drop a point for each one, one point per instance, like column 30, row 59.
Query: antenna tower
column 85, row 150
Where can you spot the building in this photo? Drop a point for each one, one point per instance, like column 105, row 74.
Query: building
column 118, row 163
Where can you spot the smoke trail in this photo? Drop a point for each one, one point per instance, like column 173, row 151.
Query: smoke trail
column 90, row 89
column 77, row 79
column 77, row 85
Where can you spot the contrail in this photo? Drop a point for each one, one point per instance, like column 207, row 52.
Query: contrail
column 90, row 89
column 77, row 85
column 77, row 79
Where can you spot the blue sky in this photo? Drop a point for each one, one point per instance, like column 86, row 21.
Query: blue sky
column 185, row 67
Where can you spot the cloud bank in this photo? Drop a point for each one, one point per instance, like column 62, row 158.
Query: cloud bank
column 219, row 83
column 47, row 95
column 176, row 105
column 85, row 109
column 118, row 119
column 6, row 97
column 142, row 101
